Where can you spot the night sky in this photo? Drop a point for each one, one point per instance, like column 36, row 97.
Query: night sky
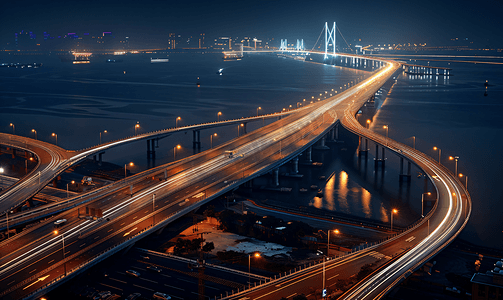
column 374, row 22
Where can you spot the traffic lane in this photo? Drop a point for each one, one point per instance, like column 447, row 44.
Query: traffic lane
column 167, row 264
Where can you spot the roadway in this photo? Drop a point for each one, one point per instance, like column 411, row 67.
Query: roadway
column 24, row 268
column 53, row 160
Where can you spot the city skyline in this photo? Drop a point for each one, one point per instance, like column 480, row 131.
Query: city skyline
column 427, row 22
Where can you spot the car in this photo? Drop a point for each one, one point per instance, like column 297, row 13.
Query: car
column 59, row 222
column 133, row 296
column 133, row 273
column 158, row 295
column 154, row 269
column 102, row 295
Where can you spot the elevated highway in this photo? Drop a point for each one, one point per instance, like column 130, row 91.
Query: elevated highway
column 194, row 181
column 53, row 160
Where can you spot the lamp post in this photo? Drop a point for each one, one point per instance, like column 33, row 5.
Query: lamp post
column 249, row 267
column 174, row 151
column 153, row 209
column 7, row 217
column 13, row 128
column 67, row 188
column 368, row 124
column 258, row 108
column 386, row 127
column 455, row 158
column 176, row 121
column 1, row 172
column 439, row 153
column 466, row 179
column 414, row 143
column 125, row 170
column 56, row 136
column 336, row 231
column 136, row 126
column 393, row 211
column 422, row 203
column 63, row 239
column 211, row 140
column 104, row 131
column 34, row 131
column 218, row 116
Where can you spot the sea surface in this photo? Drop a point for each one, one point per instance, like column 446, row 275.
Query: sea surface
column 77, row 102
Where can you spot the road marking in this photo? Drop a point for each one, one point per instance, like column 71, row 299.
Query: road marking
column 51, row 261
column 174, row 287
column 110, row 230
column 138, row 268
column 122, row 224
column 40, row 279
column 143, row 287
column 410, row 239
column 11, row 282
column 127, row 233
column 82, row 245
column 291, row 295
column 146, row 211
column 135, row 217
column 97, row 237
column 32, row 271
column 148, row 280
column 117, row 280
column 113, row 287
column 176, row 297
column 333, row 277
column 185, row 280
column 165, row 275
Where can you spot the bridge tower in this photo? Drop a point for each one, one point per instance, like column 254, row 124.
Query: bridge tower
column 300, row 45
column 329, row 37
column 284, row 45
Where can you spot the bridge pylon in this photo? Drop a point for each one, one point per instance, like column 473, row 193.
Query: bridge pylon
column 329, row 37
column 284, row 45
column 300, row 45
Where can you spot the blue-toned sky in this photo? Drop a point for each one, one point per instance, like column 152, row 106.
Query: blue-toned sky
column 433, row 22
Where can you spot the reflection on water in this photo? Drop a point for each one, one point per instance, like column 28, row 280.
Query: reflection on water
column 365, row 196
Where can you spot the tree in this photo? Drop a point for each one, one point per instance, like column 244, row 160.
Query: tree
column 208, row 247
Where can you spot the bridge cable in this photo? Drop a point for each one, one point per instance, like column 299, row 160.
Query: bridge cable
column 318, row 38
column 343, row 37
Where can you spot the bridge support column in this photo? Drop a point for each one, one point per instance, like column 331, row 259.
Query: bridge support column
column 402, row 174
column 322, row 145
column 151, row 148
column 196, row 139
column 275, row 177
column 377, row 160
column 309, row 153
column 100, row 158
column 244, row 128
column 295, row 165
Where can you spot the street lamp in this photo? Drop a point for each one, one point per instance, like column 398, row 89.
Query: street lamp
column 258, row 108
column 460, row 176
column 131, row 164
column 368, row 123
column 174, row 151
column 63, row 239
column 336, row 231
column 136, row 127
column 56, row 136
column 34, row 131
column 422, row 203
column 73, row 181
column 104, row 131
column 211, row 140
column 153, row 209
column 176, row 121
column 218, row 116
column 393, row 211
column 414, row 143
column 386, row 127
column 455, row 158
column 249, row 267
column 439, row 153
column 13, row 128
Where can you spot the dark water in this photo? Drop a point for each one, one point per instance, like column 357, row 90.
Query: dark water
column 79, row 101
column 455, row 115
